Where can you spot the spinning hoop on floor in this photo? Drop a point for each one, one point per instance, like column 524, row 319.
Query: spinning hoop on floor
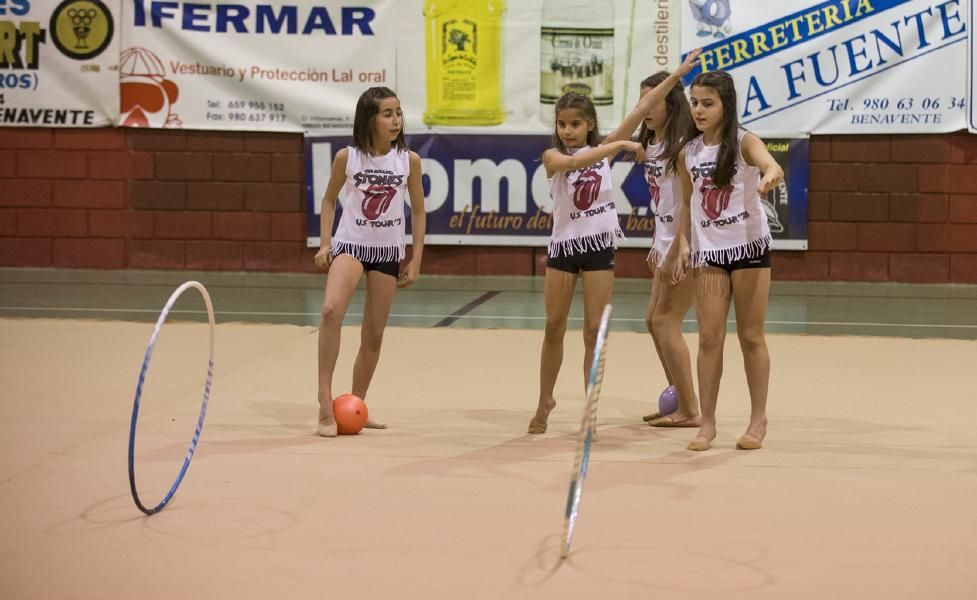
column 587, row 432
column 142, row 379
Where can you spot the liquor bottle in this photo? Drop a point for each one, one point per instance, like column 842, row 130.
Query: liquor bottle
column 462, row 41
column 577, row 55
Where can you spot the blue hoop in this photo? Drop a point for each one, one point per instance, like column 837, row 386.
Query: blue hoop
column 588, row 430
column 142, row 379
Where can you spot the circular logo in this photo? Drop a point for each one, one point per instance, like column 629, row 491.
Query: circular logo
column 81, row 29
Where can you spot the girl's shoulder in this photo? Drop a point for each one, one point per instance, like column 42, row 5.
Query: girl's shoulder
column 341, row 158
column 751, row 146
column 413, row 161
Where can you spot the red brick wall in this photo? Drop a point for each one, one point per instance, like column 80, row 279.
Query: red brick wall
column 882, row 208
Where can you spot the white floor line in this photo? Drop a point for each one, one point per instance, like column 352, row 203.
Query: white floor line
column 473, row 317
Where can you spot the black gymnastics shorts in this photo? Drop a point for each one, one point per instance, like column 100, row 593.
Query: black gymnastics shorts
column 387, row 267
column 595, row 260
column 757, row 262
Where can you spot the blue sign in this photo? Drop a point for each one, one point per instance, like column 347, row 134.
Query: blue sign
column 491, row 190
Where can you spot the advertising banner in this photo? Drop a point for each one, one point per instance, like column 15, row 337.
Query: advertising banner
column 839, row 66
column 498, row 66
column 253, row 65
column 494, row 65
column 492, row 190
column 971, row 72
column 59, row 63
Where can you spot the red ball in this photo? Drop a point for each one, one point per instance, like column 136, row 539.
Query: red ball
column 351, row 414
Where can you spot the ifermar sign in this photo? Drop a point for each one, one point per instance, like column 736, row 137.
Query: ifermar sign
column 229, row 17
column 58, row 63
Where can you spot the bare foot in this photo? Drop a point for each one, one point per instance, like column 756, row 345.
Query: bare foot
column 327, row 427
column 538, row 423
column 683, row 416
column 703, row 439
column 371, row 424
column 327, row 421
column 753, row 438
column 676, row 419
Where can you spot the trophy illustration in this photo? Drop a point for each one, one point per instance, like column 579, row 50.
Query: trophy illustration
column 81, row 24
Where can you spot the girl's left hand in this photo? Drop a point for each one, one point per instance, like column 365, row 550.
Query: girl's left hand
column 689, row 63
column 678, row 261
column 770, row 180
column 409, row 274
column 635, row 149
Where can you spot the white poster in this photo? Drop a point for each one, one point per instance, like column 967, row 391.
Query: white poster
column 253, row 65
column 971, row 72
column 837, row 67
column 491, row 66
column 58, row 63
column 496, row 66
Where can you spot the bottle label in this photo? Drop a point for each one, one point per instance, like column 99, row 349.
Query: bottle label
column 577, row 59
column 459, row 56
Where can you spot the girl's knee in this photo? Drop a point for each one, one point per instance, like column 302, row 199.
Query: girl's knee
column 555, row 328
column 752, row 340
column 371, row 340
column 330, row 313
column 660, row 323
column 590, row 335
column 711, row 339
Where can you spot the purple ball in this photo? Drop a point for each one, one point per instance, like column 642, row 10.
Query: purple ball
column 668, row 401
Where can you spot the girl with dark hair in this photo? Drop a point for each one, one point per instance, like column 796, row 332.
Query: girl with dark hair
column 725, row 237
column 585, row 234
column 374, row 173
column 666, row 125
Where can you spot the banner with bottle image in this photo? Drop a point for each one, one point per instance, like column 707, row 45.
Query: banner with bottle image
column 282, row 65
column 500, row 65
column 836, row 66
column 492, row 190
column 253, row 65
column 58, row 63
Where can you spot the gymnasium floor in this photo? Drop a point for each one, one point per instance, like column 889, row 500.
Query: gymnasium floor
column 865, row 487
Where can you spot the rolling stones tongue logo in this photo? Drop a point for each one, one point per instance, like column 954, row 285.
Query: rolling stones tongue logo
column 585, row 189
column 714, row 199
column 655, row 193
column 376, row 200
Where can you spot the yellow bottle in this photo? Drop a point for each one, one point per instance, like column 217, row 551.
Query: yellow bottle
column 462, row 39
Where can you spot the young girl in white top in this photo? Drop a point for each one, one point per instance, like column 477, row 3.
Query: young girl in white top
column 585, row 233
column 665, row 127
column 375, row 174
column 724, row 236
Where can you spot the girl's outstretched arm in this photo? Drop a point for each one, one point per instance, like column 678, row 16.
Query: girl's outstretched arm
column 557, row 162
column 756, row 154
column 658, row 93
